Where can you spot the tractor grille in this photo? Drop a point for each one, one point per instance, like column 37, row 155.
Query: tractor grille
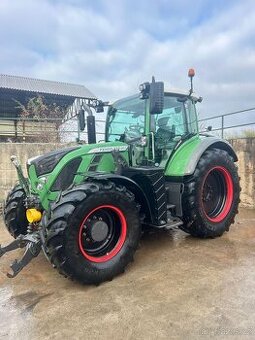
column 46, row 163
column 95, row 162
column 66, row 176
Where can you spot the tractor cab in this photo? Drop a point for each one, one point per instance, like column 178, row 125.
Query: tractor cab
column 152, row 135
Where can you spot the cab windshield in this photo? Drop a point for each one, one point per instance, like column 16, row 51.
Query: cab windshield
column 126, row 119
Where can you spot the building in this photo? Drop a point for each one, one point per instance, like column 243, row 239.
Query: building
column 20, row 119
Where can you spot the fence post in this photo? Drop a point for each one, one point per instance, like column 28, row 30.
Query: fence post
column 78, row 130
column 222, row 126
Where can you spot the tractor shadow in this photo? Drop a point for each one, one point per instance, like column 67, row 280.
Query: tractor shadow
column 168, row 237
column 172, row 243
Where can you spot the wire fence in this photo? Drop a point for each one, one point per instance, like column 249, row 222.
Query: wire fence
column 238, row 124
column 45, row 130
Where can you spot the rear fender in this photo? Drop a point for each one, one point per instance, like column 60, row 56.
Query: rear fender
column 185, row 159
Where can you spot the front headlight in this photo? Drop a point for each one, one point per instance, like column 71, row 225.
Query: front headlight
column 42, row 181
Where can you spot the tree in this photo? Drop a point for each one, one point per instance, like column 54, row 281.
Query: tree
column 41, row 121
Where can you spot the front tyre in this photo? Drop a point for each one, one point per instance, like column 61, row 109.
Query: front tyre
column 211, row 196
column 93, row 232
column 14, row 213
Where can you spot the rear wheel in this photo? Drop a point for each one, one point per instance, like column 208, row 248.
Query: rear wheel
column 15, row 212
column 211, row 196
column 92, row 232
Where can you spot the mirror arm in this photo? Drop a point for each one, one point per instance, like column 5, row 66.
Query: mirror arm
column 87, row 109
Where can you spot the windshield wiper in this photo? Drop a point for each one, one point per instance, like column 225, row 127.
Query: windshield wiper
column 187, row 135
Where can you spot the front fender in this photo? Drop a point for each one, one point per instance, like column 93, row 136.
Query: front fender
column 184, row 160
column 132, row 186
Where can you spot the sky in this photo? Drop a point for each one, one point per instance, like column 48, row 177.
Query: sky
column 111, row 46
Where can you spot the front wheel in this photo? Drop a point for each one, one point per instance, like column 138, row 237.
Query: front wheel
column 92, row 232
column 211, row 196
column 14, row 213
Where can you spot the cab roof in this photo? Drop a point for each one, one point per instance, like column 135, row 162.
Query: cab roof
column 170, row 91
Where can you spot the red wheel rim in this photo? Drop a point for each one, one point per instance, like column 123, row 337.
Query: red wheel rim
column 122, row 232
column 227, row 192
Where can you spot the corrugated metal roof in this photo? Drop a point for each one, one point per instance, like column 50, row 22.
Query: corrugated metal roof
column 44, row 86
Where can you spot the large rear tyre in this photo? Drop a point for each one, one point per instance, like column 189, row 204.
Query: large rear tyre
column 93, row 232
column 211, row 196
column 14, row 213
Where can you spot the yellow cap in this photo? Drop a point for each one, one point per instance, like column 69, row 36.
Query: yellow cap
column 33, row 215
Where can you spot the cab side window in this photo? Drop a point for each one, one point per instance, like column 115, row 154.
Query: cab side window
column 177, row 119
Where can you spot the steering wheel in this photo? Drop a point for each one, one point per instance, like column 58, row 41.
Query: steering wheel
column 136, row 128
column 132, row 133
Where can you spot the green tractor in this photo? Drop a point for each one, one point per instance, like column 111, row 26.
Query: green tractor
column 86, row 206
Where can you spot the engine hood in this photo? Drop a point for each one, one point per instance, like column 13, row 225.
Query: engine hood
column 58, row 170
column 46, row 163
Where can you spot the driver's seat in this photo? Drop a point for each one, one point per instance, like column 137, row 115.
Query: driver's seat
column 164, row 133
column 163, row 136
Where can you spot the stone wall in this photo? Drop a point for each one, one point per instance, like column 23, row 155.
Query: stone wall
column 245, row 149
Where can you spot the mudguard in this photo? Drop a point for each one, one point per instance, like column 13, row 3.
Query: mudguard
column 131, row 185
column 184, row 160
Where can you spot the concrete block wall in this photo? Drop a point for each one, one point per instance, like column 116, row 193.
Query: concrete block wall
column 245, row 149
column 8, row 175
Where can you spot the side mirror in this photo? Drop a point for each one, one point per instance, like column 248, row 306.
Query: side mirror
column 91, row 129
column 81, row 118
column 156, row 97
column 100, row 107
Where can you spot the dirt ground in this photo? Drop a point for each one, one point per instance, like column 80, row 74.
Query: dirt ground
column 178, row 287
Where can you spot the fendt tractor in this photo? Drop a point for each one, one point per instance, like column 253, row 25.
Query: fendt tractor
column 86, row 206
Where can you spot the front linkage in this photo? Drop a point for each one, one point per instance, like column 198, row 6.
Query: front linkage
column 33, row 244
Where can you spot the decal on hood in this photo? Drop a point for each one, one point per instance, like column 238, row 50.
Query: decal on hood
column 108, row 149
